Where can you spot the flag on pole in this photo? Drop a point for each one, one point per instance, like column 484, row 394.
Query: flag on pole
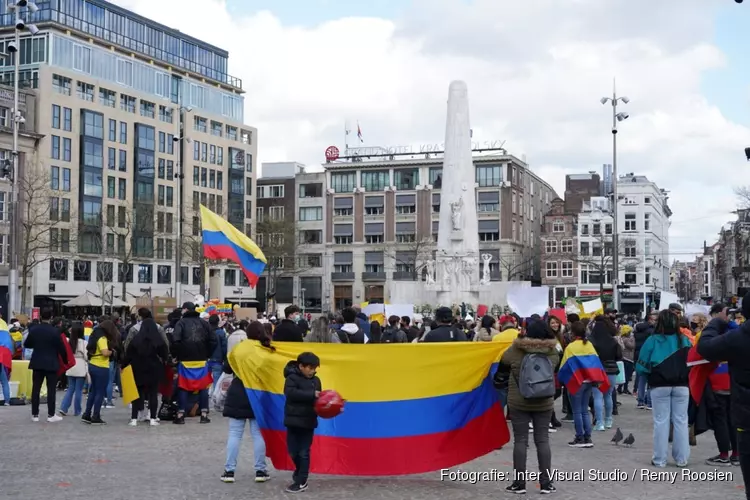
column 221, row 240
column 359, row 133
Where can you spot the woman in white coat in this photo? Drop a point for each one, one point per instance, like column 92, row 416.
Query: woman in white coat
column 77, row 374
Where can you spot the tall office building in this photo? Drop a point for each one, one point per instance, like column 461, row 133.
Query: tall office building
column 125, row 104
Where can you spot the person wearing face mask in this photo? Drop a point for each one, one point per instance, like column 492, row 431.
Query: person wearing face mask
column 288, row 330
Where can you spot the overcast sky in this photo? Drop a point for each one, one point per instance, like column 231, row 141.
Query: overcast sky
column 535, row 69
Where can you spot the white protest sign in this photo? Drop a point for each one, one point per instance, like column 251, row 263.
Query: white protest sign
column 526, row 301
column 592, row 306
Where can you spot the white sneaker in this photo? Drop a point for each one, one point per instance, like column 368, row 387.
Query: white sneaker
column 34, row 419
column 154, row 422
column 133, row 422
column 552, row 428
column 54, row 418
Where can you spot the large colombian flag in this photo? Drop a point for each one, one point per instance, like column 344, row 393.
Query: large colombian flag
column 6, row 348
column 411, row 408
column 193, row 376
column 221, row 240
column 581, row 364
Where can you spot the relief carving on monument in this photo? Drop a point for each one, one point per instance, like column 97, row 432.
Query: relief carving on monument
column 430, row 279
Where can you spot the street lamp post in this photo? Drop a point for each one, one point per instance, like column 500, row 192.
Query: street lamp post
column 616, row 117
column 15, row 48
column 180, row 139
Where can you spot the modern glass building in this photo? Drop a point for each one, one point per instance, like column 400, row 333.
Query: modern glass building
column 122, row 104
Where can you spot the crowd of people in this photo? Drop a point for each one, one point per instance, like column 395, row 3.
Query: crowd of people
column 681, row 365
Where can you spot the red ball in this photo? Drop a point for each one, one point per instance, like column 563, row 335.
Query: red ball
column 329, row 404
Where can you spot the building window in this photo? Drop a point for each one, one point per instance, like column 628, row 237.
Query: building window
column 61, row 84
column 311, row 190
column 630, row 222
column 107, row 97
column 585, row 248
column 489, row 175
column 56, row 116
column 127, row 103
column 342, row 234
column 584, row 229
column 631, row 278
column 551, row 268
column 630, row 249
column 55, row 147
column 558, row 226
column 608, row 229
column 406, row 232
column 275, row 191
column 647, row 222
column 343, row 182
column 550, row 246
column 311, row 213
column 216, row 128
column 436, row 177
column 596, row 229
column 145, row 273
column 487, row 201
column 93, row 125
column 200, row 124
column 123, row 133
column 276, row 212
column 647, row 200
column 86, row 91
column 566, row 246
column 148, row 109
column 230, row 277
column 374, row 232
column 566, row 268
column 165, row 114
column 406, row 204
column 58, row 270
column 81, row 58
column 67, row 149
column 489, row 230
column 406, row 179
column 375, row 180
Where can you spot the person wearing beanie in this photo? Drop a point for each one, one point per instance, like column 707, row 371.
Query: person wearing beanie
column 719, row 343
column 445, row 331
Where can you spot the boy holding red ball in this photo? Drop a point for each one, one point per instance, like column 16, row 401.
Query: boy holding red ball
column 301, row 388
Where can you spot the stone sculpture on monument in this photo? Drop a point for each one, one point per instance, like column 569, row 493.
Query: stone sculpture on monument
column 430, row 279
column 486, row 258
column 456, row 214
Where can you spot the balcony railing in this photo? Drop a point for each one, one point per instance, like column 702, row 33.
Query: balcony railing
column 404, row 276
column 342, row 276
column 373, row 276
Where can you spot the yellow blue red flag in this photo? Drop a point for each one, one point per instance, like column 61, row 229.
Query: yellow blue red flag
column 221, row 240
column 410, row 408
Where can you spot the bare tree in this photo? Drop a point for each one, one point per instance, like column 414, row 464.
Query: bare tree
column 123, row 226
column 281, row 243
column 518, row 265
column 42, row 234
column 599, row 258
column 410, row 258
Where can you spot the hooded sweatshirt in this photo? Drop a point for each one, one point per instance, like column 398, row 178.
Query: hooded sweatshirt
column 351, row 333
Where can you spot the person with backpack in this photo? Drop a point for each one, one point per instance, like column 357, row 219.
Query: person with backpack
column 393, row 334
column 351, row 332
column 663, row 359
column 528, row 367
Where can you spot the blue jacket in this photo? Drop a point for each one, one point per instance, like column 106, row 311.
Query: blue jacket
column 663, row 358
column 220, row 353
column 364, row 323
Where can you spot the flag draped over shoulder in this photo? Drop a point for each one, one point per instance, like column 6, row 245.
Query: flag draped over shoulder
column 221, row 240
column 6, row 348
column 193, row 375
column 581, row 364
column 410, row 408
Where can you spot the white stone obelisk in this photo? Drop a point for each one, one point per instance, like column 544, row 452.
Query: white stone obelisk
column 457, row 275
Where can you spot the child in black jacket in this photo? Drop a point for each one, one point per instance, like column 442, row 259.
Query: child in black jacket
column 301, row 389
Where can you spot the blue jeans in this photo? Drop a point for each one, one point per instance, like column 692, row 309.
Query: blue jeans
column 74, row 394
column 113, row 376
column 670, row 405
column 644, row 394
column 236, row 429
column 579, row 403
column 182, row 400
column 97, row 390
column 603, row 403
column 5, row 385
column 216, row 370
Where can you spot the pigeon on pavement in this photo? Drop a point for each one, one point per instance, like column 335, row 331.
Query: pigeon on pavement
column 617, row 437
column 629, row 440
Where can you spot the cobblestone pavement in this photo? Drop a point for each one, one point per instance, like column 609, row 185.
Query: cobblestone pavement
column 69, row 460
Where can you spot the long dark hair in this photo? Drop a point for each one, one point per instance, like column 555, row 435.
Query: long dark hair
column 578, row 331
column 667, row 323
column 257, row 331
column 487, row 323
column 559, row 332
column 76, row 334
column 110, row 331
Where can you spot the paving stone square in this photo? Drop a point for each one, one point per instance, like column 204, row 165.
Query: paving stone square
column 70, row 460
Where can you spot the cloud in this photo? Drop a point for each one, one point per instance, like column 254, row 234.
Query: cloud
column 535, row 72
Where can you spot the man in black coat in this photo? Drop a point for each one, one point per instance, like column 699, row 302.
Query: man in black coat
column 445, row 332
column 733, row 346
column 46, row 341
column 642, row 332
column 287, row 330
column 193, row 341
